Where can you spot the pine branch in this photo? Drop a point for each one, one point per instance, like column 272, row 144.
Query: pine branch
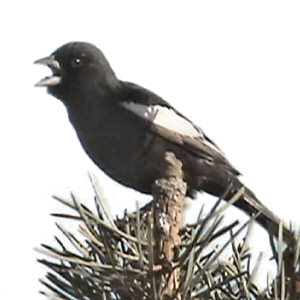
column 147, row 255
column 169, row 193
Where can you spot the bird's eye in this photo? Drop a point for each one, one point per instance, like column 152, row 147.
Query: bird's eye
column 76, row 62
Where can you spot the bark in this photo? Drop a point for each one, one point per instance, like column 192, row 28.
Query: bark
column 169, row 194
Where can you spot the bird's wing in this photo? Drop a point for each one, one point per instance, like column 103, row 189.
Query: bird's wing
column 170, row 124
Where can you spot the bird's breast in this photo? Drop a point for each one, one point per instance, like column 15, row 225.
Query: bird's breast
column 120, row 144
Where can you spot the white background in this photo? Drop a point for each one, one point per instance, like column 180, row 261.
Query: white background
column 233, row 67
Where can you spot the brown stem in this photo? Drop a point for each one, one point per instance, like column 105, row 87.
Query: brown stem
column 169, row 193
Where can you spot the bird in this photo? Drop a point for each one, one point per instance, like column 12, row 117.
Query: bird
column 126, row 130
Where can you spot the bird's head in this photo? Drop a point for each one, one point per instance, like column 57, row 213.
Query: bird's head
column 77, row 68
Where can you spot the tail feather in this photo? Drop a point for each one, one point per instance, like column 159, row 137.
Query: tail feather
column 249, row 203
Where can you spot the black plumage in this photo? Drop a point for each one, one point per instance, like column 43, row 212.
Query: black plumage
column 126, row 129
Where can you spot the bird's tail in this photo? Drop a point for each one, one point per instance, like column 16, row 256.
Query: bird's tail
column 249, row 203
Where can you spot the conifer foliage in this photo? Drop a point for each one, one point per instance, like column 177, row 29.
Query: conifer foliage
column 148, row 254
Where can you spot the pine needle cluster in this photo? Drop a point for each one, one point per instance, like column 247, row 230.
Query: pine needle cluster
column 114, row 259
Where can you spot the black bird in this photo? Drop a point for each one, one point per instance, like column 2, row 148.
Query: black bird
column 126, row 130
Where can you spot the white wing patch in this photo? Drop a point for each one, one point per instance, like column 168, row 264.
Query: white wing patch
column 165, row 117
column 169, row 119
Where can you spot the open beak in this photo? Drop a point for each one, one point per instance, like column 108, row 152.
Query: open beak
column 53, row 64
